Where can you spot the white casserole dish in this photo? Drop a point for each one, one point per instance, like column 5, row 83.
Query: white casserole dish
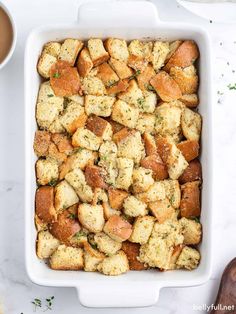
column 126, row 20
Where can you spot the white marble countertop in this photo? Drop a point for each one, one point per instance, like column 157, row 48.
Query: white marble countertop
column 16, row 290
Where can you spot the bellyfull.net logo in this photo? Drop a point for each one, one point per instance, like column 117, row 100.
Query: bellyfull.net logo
column 218, row 307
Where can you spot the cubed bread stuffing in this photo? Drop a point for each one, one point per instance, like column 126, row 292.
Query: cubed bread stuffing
column 114, row 265
column 189, row 258
column 67, row 258
column 106, row 244
column 70, row 50
column 142, row 229
column 46, row 244
column 133, row 207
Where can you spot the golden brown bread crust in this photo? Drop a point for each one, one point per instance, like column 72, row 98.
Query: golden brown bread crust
column 116, row 198
column 42, row 140
column 165, row 86
column 77, row 123
column 121, row 86
column 95, row 176
column 65, row 227
column 185, row 55
column 190, row 200
column 97, row 125
column 64, row 79
column 145, row 77
column 132, row 252
column 118, row 228
column 188, row 82
column 116, row 126
column 54, row 153
column 106, row 74
column 190, row 100
column 84, row 63
column 163, row 148
column 137, row 63
column 63, row 143
column 44, row 204
column 192, row 173
column 122, row 134
column 162, row 210
column 190, row 149
column 157, row 166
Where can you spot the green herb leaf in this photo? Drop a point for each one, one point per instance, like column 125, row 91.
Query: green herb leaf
column 150, row 87
column 50, row 95
column 232, row 86
column 56, row 75
column 134, row 75
column 71, row 216
column 53, row 182
column 80, row 234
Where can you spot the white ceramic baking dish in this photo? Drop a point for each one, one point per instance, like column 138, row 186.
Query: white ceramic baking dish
column 127, row 20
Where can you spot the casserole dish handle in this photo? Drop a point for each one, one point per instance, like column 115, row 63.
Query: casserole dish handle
column 118, row 13
column 125, row 294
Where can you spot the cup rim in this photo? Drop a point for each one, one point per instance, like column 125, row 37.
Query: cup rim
column 13, row 45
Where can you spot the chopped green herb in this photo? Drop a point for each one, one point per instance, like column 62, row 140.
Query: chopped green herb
column 94, row 246
column 150, row 88
column 49, row 303
column 196, row 219
column 135, row 75
column 71, row 216
column 172, row 199
column 112, row 83
column 141, row 101
column 56, row 75
column 50, row 95
column 232, row 86
column 80, row 234
column 37, row 303
column 53, row 182
column 78, row 150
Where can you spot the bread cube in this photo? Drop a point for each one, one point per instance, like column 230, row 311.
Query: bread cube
column 118, row 87
column 192, row 231
column 142, row 229
column 54, row 154
column 67, row 258
column 121, row 68
column 154, row 193
column 190, row 101
column 133, row 95
column 137, row 63
column 92, row 258
column 160, row 52
column 52, row 48
column 125, row 114
column 165, row 87
column 191, row 124
column 99, row 105
column 108, row 151
column 154, row 163
column 70, row 50
column 162, row 210
column 86, row 139
column 76, row 179
column 44, row 204
column 190, row 200
column 84, row 63
column 125, row 171
column 93, row 85
column 189, row 258
column 63, row 143
column 132, row 252
column 174, row 257
column 149, row 143
column 97, row 51
column 189, row 149
column 95, row 176
column 141, row 49
column 117, row 228
column 146, row 122
column 114, row 265
column 172, row 191
column 46, row 244
column 144, row 78
column 110, row 165
column 109, row 211
column 99, row 127
column 46, row 61
column 116, row 198
column 42, row 140
column 105, row 244
column 192, row 173
column 134, row 207
column 117, row 49
column 46, row 171
column 91, row 217
column 65, row 196
column 186, row 78
column 176, row 163
column 107, row 74
column 174, row 45
column 142, row 179
column 56, row 126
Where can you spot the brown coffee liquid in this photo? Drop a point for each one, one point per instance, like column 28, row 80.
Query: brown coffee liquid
column 6, row 34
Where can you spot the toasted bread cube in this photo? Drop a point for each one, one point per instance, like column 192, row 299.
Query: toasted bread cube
column 93, row 85
column 63, row 143
column 110, row 165
column 54, row 154
column 176, row 163
column 97, row 51
column 65, row 227
column 134, row 207
column 76, row 179
column 190, row 200
column 92, row 258
column 46, row 171
column 132, row 252
column 185, row 55
column 172, row 191
column 162, row 210
column 131, row 147
column 121, row 68
column 125, row 114
column 100, row 195
column 42, row 140
column 149, row 143
column 91, row 217
column 119, row 87
column 141, row 49
column 46, row 61
column 190, row 101
column 191, row 124
column 142, row 179
column 56, row 126
column 46, row 95
column 95, row 176
column 64, row 79
column 106, row 245
column 117, row 228
column 154, row 163
column 192, row 173
column 166, row 87
column 192, row 231
column 117, row 49
column 133, row 95
column 137, row 63
column 144, row 78
column 189, row 149
column 159, row 54
column 65, row 196
column 174, row 257
column 174, row 45
column 114, row 265
column 46, row 244
column 44, row 204
column 116, row 198
column 84, row 63
column 149, row 103
column 76, row 98
column 142, row 229
column 154, row 193
column 70, row 50
column 86, row 139
column 108, row 211
column 107, row 75
column 52, row 48
column 67, row 258
column 40, row 224
column 99, row 105
column 99, row 127
column 163, row 148
column 186, row 78
column 122, row 134
column 108, row 151
column 189, row 258
column 125, row 171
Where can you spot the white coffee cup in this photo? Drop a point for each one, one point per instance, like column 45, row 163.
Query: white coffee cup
column 13, row 44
